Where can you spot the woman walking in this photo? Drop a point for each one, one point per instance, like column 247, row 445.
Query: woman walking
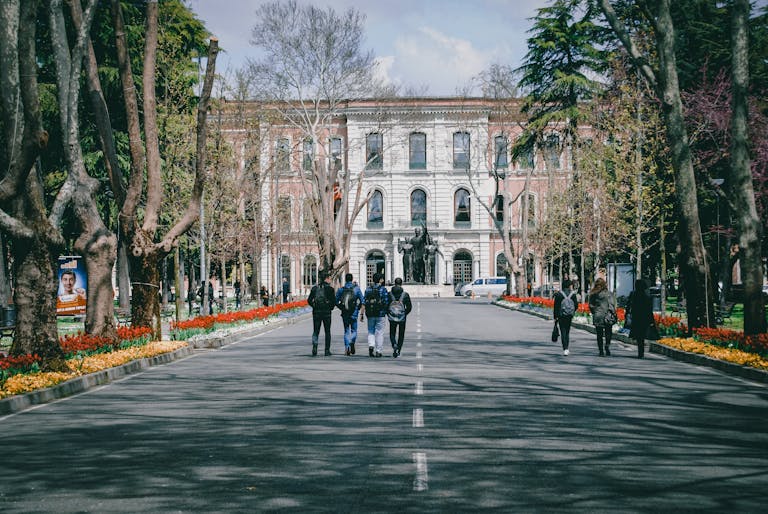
column 602, row 305
column 642, row 315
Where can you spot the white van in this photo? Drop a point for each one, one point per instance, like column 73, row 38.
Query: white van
column 482, row 286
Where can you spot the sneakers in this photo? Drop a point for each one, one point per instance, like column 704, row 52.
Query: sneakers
column 394, row 353
column 378, row 354
column 566, row 352
column 352, row 348
column 314, row 350
column 370, row 351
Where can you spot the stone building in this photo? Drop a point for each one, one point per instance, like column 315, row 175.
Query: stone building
column 430, row 164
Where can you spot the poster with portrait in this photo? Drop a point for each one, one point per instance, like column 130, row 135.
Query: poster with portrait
column 73, row 284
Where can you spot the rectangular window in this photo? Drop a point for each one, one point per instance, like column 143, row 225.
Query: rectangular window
column 461, row 150
column 501, row 152
column 417, row 151
column 525, row 159
column 552, row 152
column 283, row 219
column 373, row 152
column 308, row 155
column 306, row 219
column 335, row 154
column 499, row 208
column 283, row 155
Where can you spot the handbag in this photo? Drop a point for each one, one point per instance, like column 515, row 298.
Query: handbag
column 555, row 332
column 610, row 318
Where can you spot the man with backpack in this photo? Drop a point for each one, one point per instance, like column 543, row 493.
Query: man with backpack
column 375, row 307
column 399, row 308
column 566, row 303
column 322, row 299
column 349, row 298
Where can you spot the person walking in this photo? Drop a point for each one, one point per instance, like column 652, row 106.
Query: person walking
column 641, row 310
column 566, row 302
column 602, row 305
column 399, row 308
column 349, row 299
column 264, row 295
column 286, row 289
column 322, row 299
column 375, row 307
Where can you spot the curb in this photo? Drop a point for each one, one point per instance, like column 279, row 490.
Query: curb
column 83, row 383
column 236, row 336
column 730, row 368
column 80, row 384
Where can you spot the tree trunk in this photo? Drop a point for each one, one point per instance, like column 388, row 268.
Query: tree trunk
column 145, row 302
column 693, row 259
column 99, row 250
column 742, row 192
column 35, row 300
column 123, row 277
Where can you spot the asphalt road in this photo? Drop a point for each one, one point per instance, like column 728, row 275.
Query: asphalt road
column 480, row 413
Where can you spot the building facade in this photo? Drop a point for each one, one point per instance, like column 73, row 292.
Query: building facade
column 437, row 165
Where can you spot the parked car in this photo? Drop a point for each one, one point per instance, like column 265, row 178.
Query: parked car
column 484, row 285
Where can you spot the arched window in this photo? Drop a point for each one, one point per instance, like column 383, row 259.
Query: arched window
column 501, row 264
column 418, row 207
column 461, row 150
column 374, row 144
column 461, row 207
column 309, row 274
column 417, row 151
column 376, row 210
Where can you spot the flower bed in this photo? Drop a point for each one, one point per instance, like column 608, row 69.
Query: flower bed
column 183, row 330
column 727, row 354
column 76, row 346
column 83, row 364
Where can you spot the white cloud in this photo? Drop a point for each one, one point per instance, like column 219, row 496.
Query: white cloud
column 429, row 56
column 383, row 70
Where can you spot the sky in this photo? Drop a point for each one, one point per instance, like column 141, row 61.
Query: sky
column 432, row 46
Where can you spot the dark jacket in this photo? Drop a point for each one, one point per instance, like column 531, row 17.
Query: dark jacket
column 330, row 296
column 385, row 299
column 599, row 304
column 641, row 309
column 405, row 298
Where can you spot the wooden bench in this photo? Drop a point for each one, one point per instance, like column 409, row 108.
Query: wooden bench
column 723, row 312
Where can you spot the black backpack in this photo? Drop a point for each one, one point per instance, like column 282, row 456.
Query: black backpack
column 320, row 302
column 348, row 300
column 373, row 303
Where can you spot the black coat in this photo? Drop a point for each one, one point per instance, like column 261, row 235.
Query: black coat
column 641, row 309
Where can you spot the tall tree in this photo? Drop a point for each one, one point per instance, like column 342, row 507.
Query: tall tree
column 140, row 226
column 664, row 79
column 312, row 63
column 564, row 55
column 740, row 183
column 95, row 242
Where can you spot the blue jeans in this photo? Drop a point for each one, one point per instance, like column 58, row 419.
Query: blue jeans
column 376, row 333
column 350, row 330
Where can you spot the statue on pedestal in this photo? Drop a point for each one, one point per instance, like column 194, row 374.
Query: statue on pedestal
column 418, row 256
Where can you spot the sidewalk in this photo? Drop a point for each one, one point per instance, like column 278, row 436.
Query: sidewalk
column 731, row 368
